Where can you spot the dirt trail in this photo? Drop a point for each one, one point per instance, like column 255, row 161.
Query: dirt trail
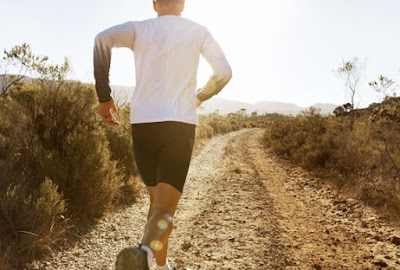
column 243, row 208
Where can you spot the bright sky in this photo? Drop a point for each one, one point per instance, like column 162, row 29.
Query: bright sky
column 279, row 50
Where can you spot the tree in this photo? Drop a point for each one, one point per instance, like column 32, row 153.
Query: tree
column 254, row 114
column 384, row 86
column 19, row 62
column 351, row 72
column 242, row 112
column 343, row 109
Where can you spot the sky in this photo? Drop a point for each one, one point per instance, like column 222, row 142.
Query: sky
column 279, row 50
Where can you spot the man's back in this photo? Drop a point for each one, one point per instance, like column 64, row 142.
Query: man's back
column 167, row 50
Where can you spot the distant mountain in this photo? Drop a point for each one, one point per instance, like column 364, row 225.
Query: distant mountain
column 123, row 95
column 226, row 106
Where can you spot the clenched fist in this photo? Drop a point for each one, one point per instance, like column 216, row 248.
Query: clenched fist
column 106, row 110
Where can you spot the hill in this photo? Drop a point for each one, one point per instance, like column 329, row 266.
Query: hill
column 226, row 106
column 123, row 94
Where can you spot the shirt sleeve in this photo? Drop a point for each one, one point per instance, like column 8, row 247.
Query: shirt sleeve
column 118, row 36
column 212, row 52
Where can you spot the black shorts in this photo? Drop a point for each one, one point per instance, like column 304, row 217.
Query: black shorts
column 163, row 151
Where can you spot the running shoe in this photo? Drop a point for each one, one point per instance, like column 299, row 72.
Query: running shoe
column 172, row 264
column 132, row 259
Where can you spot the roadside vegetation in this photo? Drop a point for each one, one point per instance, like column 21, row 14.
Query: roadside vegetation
column 358, row 149
column 61, row 167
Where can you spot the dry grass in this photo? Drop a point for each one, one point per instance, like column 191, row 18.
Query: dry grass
column 360, row 154
column 130, row 191
column 31, row 223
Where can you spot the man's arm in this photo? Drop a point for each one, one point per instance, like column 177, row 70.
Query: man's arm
column 222, row 70
column 122, row 35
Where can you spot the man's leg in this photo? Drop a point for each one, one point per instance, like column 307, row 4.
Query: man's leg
column 152, row 192
column 161, row 255
column 173, row 162
column 160, row 224
column 163, row 151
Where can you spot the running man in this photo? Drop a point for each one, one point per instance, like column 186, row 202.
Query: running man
column 163, row 111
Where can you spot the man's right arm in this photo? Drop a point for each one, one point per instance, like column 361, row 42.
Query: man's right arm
column 222, row 70
column 122, row 35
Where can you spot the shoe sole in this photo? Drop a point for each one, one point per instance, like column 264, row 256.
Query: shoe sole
column 131, row 259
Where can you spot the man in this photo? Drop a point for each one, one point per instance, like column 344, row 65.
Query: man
column 163, row 111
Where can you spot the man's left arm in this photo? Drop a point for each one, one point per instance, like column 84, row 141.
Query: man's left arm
column 212, row 52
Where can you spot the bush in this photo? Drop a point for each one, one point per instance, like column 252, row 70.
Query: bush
column 302, row 139
column 63, row 139
column 50, row 130
column 204, row 131
column 386, row 131
column 121, row 148
column 52, row 133
column 359, row 152
column 31, row 222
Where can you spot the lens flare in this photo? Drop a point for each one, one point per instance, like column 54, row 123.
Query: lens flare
column 156, row 245
column 162, row 224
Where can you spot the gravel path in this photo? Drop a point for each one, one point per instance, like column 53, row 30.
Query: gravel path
column 243, row 208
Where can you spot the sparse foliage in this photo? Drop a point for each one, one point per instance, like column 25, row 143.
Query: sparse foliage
column 121, row 98
column 20, row 62
column 384, row 86
column 351, row 72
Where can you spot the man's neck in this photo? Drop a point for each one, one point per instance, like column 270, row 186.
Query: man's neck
column 172, row 11
column 168, row 14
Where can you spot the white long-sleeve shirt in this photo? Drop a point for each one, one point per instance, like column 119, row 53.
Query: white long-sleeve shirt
column 167, row 51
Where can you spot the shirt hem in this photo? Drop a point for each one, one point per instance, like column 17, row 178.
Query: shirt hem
column 155, row 120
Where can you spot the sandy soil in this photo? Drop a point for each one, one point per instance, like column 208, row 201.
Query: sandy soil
column 243, row 208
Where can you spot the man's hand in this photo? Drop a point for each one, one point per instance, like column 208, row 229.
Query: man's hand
column 106, row 110
column 198, row 103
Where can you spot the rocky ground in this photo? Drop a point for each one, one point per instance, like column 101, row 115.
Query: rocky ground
column 243, row 208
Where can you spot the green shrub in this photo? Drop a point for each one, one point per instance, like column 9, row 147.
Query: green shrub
column 50, row 129
column 121, row 149
column 204, row 131
column 53, row 133
column 31, row 222
column 63, row 139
